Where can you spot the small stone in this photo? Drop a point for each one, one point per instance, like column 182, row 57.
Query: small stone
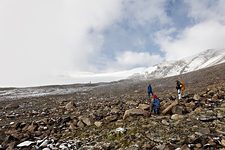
column 204, row 130
column 111, row 118
column 86, row 121
column 72, row 126
column 103, row 145
column 135, row 111
column 66, row 112
column 144, row 106
column 161, row 147
column 11, row 145
column 120, row 130
column 34, row 112
column 185, row 147
column 176, row 117
column 31, row 128
column 40, row 141
column 66, row 119
column 190, row 106
column 220, row 115
column 44, row 113
column 207, row 118
column 209, row 144
column 119, row 123
column 98, row 123
column 132, row 103
column 147, row 146
column 198, row 110
column 12, row 115
column 223, row 105
column 44, row 121
column 165, row 122
column 198, row 145
column 52, row 147
column 223, row 142
column 11, row 123
column 44, row 144
column 63, row 146
column 25, row 144
column 114, row 111
column 178, row 110
column 80, row 124
column 133, row 147
column 196, row 97
column 211, row 92
column 70, row 106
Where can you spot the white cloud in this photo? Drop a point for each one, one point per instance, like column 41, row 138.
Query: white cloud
column 41, row 39
column 126, row 64
column 206, row 31
column 130, row 59
column 192, row 40
column 85, row 20
column 206, row 10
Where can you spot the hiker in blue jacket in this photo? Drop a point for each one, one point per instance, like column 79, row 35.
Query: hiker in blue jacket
column 156, row 104
column 149, row 89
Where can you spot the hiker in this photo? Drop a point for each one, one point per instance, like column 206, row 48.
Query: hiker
column 155, row 104
column 180, row 88
column 149, row 89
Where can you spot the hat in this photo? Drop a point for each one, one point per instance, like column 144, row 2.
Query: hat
column 154, row 96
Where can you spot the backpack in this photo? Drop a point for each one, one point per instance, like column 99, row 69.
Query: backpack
column 182, row 86
column 156, row 102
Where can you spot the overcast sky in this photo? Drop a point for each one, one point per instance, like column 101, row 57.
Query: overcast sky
column 69, row 41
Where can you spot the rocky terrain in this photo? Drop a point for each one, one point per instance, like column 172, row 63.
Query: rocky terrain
column 117, row 116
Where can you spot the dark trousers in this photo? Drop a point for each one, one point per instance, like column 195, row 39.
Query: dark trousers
column 150, row 94
column 156, row 109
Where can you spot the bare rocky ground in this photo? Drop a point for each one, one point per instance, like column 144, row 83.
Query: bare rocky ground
column 117, row 116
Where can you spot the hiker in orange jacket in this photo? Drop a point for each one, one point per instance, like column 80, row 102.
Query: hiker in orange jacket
column 180, row 88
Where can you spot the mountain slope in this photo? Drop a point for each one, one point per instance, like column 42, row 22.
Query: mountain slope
column 204, row 59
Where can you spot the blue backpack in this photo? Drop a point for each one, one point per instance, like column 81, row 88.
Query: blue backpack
column 156, row 103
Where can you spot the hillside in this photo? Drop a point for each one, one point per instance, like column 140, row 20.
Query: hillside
column 116, row 116
column 199, row 79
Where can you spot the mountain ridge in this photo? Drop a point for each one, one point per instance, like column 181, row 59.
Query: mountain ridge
column 204, row 59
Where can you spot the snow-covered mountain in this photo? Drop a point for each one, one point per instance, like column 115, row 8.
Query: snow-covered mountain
column 204, row 59
column 170, row 68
